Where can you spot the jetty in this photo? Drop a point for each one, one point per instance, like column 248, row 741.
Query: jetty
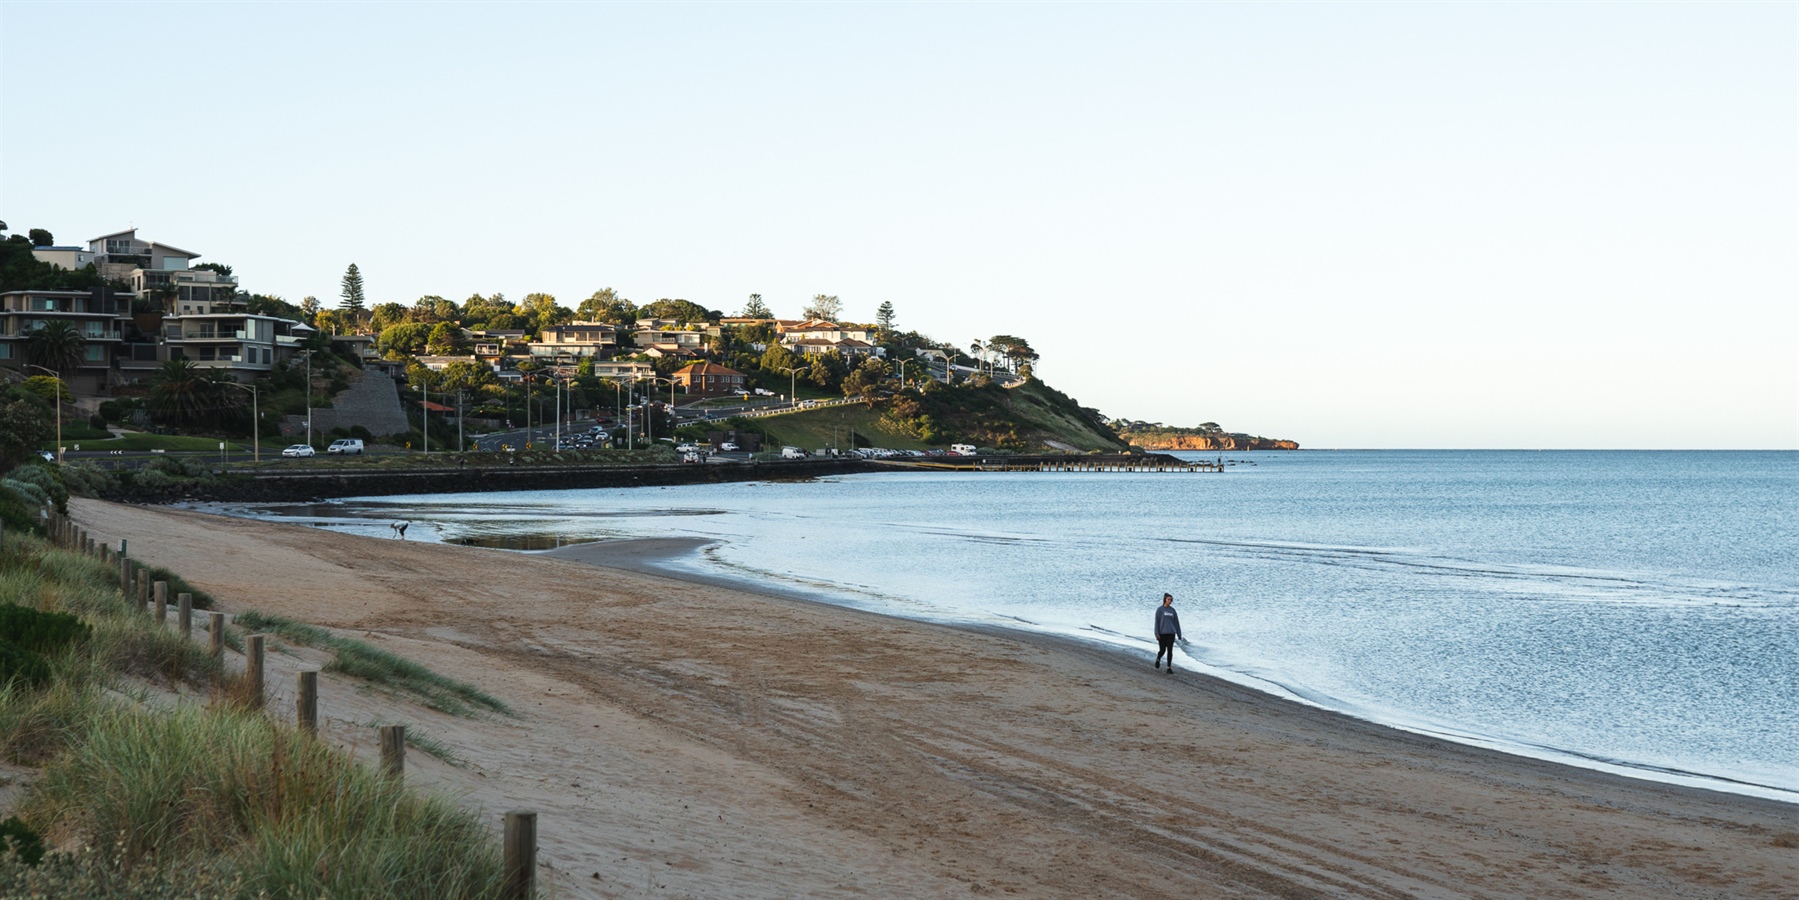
column 1111, row 462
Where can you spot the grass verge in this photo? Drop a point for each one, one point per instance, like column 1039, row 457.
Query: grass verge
column 193, row 800
column 377, row 666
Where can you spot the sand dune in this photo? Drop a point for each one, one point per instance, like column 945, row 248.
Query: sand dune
column 690, row 739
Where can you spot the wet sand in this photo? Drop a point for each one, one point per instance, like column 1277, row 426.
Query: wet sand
column 687, row 738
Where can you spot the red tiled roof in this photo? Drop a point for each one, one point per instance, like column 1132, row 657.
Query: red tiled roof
column 706, row 368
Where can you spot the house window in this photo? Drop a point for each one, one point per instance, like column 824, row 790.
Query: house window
column 95, row 353
column 5, row 351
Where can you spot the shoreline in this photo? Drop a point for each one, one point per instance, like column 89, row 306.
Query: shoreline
column 643, row 555
column 711, row 741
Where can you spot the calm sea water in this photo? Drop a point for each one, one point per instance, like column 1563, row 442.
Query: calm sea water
column 1627, row 610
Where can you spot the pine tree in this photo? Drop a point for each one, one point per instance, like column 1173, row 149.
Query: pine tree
column 352, row 290
column 884, row 315
column 756, row 309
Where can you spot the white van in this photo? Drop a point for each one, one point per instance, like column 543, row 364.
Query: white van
column 962, row 449
column 792, row 453
column 347, row 445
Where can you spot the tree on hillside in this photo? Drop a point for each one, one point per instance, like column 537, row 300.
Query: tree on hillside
column 433, row 309
column 387, row 314
column 42, row 238
column 56, row 345
column 309, row 305
column 823, row 306
column 884, row 315
column 679, row 310
column 24, row 424
column 544, row 312
column 408, row 338
column 1015, row 350
column 607, row 307
column 446, row 339
column 756, row 309
column 351, row 292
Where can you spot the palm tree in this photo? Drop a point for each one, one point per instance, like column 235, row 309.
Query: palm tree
column 182, row 392
column 56, row 345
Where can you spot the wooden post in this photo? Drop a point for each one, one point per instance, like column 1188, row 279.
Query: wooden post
column 215, row 642
column 124, row 574
column 161, row 592
column 184, row 613
column 253, row 666
column 521, row 855
column 393, row 750
column 142, row 589
column 306, row 701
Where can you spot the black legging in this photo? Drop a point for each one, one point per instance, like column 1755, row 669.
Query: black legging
column 1165, row 644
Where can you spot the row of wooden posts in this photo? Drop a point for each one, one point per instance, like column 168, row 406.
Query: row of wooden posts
column 137, row 585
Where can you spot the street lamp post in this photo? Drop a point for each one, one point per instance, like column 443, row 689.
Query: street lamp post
column 255, row 418
column 648, row 423
column 793, row 383
column 59, row 389
column 309, row 398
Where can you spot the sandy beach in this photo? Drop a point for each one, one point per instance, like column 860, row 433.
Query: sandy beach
column 685, row 738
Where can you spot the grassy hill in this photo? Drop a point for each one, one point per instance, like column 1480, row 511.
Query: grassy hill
column 1031, row 417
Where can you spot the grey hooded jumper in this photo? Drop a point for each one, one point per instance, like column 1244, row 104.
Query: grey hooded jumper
column 1167, row 621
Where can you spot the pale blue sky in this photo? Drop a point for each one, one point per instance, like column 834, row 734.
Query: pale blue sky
column 1355, row 225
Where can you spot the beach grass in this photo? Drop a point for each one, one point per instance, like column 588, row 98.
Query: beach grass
column 378, row 667
column 190, row 799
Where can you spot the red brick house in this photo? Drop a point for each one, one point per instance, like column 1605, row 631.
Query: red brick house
column 704, row 379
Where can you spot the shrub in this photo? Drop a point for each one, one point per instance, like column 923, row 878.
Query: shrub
column 46, row 478
column 17, row 838
column 88, row 480
column 358, row 431
column 26, row 492
column 20, row 666
column 38, row 631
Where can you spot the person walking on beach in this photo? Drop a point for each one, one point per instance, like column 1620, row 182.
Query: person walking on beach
column 1168, row 629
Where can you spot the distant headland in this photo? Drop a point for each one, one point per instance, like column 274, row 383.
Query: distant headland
column 1205, row 436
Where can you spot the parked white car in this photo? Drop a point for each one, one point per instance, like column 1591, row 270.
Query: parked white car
column 728, row 447
column 298, row 450
column 792, row 453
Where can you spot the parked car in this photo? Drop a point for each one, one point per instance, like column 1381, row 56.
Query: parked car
column 346, row 446
column 298, row 450
column 792, row 453
column 728, row 447
column 47, row 455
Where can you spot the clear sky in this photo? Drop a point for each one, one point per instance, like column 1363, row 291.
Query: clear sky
column 1353, row 225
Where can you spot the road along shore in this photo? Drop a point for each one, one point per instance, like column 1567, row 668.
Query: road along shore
column 695, row 739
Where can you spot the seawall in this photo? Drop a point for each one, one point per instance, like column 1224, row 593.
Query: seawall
column 305, row 486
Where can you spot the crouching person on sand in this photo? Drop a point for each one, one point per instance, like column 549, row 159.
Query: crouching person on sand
column 1168, row 629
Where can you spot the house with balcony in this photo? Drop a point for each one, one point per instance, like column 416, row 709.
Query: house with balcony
column 98, row 315
column 623, row 370
column 122, row 253
column 567, row 345
column 817, row 336
column 660, row 342
column 243, row 344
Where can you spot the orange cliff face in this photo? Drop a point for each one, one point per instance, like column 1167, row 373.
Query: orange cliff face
column 1163, row 440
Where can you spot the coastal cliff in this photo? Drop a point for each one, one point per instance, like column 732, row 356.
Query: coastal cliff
column 1170, row 440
